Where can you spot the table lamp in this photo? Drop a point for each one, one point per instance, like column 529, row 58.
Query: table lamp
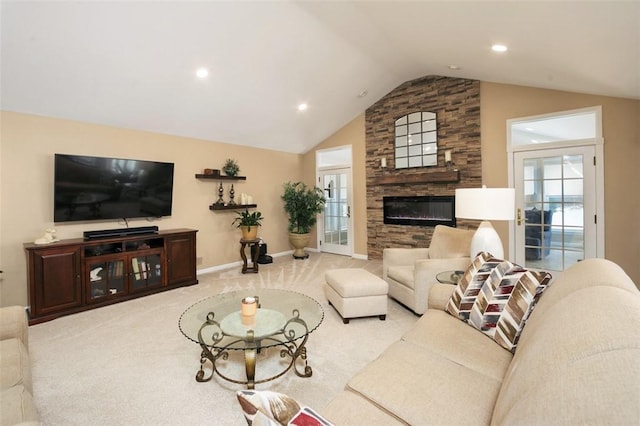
column 485, row 204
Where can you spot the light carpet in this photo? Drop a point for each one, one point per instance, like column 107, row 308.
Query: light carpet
column 128, row 363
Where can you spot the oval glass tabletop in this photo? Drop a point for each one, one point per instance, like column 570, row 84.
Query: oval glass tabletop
column 216, row 321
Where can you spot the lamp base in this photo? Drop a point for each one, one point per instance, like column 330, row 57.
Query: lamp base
column 486, row 239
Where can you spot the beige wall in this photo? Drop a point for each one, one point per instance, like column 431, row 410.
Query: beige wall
column 27, row 145
column 621, row 133
column 26, row 188
column 350, row 135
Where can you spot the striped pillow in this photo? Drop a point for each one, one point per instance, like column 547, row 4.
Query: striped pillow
column 505, row 301
column 469, row 285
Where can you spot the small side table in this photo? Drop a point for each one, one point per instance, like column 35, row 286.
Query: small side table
column 449, row 277
column 254, row 249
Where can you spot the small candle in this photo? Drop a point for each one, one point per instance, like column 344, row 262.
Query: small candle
column 248, row 320
column 447, row 156
column 249, row 306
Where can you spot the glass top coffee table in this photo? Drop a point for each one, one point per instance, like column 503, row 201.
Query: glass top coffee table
column 283, row 318
column 449, row 277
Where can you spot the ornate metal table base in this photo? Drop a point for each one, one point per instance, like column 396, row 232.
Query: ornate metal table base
column 285, row 337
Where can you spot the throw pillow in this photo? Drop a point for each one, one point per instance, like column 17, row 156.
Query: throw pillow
column 505, row 301
column 469, row 285
column 262, row 408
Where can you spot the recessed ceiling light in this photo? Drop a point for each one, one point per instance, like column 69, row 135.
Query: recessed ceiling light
column 363, row 94
column 499, row 48
column 302, row 107
column 453, row 67
column 202, row 73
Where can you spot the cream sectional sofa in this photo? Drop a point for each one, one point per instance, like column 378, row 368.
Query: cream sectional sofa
column 577, row 362
column 16, row 397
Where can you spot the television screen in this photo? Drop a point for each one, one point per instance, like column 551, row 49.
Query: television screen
column 98, row 188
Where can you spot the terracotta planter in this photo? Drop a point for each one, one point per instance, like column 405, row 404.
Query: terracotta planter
column 299, row 242
column 249, row 232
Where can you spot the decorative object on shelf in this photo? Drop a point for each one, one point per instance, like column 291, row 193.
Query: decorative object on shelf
column 245, row 199
column 248, row 223
column 302, row 204
column 231, row 167
column 212, row 172
column 485, row 204
column 232, row 194
column 220, row 201
column 48, row 237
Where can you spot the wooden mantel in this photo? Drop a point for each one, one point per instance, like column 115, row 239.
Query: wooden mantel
column 443, row 176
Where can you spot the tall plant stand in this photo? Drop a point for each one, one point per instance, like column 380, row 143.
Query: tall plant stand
column 254, row 250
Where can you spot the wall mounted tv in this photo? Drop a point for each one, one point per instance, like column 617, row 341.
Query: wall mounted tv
column 98, row 188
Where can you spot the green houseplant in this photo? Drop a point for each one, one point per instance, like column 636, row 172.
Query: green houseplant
column 248, row 223
column 231, row 167
column 302, row 204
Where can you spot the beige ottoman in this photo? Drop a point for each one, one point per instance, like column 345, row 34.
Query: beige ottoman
column 356, row 293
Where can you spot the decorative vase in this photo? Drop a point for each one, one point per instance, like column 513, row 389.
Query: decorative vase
column 249, row 232
column 299, row 242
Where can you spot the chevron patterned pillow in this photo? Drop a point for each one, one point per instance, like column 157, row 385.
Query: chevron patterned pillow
column 267, row 408
column 469, row 285
column 505, row 301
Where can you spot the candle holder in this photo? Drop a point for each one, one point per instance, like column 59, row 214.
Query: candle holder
column 248, row 310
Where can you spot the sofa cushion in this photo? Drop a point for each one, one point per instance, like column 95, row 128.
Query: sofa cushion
column 273, row 408
column 469, row 285
column 505, row 301
column 351, row 408
column 17, row 406
column 447, row 242
column 451, row 338
column 14, row 365
column 421, row 387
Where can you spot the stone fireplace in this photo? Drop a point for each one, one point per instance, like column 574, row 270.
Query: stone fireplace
column 456, row 103
column 419, row 211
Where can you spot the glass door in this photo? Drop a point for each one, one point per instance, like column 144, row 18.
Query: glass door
column 146, row 271
column 335, row 232
column 556, row 207
column 106, row 278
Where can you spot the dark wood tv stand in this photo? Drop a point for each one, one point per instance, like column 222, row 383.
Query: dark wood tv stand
column 75, row 275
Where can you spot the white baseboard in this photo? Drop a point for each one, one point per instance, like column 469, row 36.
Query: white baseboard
column 283, row 253
column 237, row 264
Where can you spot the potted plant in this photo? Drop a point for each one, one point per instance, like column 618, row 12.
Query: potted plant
column 231, row 167
column 248, row 223
column 302, row 204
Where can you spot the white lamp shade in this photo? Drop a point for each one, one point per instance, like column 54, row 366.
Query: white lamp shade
column 485, row 203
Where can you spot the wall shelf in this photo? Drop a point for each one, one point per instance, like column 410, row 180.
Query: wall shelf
column 444, row 176
column 235, row 207
column 219, row 177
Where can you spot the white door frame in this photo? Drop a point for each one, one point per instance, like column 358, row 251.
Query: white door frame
column 334, row 160
column 597, row 142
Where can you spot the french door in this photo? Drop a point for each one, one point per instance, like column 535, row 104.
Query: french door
column 335, row 233
column 555, row 224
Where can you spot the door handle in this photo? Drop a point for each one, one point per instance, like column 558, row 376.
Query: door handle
column 348, row 211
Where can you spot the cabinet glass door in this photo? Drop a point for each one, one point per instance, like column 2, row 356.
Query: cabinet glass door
column 105, row 279
column 146, row 271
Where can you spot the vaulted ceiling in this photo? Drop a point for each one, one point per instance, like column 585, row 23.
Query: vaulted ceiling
column 133, row 64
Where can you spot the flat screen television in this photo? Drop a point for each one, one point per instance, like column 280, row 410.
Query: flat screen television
column 99, row 188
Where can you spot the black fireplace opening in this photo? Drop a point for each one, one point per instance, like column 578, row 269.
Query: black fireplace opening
column 428, row 210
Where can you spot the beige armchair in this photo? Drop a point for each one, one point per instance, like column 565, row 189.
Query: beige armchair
column 411, row 272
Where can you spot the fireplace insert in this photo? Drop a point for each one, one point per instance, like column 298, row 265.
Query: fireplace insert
column 429, row 210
